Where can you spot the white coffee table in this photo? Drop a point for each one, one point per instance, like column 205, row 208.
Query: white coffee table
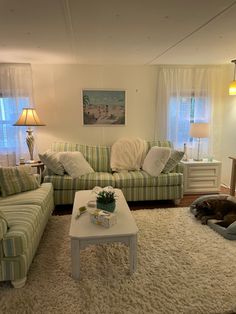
column 84, row 233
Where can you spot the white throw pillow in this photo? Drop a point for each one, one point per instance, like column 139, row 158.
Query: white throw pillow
column 156, row 160
column 75, row 164
column 128, row 153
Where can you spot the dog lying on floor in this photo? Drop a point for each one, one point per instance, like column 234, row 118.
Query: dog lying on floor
column 220, row 209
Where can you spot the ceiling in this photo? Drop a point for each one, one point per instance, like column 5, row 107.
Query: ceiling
column 143, row 32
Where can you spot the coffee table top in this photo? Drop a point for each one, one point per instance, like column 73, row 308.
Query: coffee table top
column 83, row 228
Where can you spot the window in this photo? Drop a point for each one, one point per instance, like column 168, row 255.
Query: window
column 182, row 111
column 10, row 109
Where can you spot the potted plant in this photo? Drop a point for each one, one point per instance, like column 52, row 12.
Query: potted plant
column 106, row 200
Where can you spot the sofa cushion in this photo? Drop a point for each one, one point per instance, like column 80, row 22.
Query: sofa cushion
column 85, row 182
column 52, row 162
column 143, row 179
column 23, row 220
column 40, row 196
column 155, row 160
column 75, row 164
column 173, row 161
column 17, row 179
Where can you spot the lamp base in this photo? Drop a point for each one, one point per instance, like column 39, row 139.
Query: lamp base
column 31, row 161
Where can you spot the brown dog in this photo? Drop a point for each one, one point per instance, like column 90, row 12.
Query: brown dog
column 220, row 209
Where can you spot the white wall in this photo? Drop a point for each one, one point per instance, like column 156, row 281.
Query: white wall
column 57, row 95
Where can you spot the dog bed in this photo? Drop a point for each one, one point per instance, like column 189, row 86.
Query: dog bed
column 229, row 232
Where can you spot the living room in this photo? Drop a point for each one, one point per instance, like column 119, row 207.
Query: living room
column 144, row 49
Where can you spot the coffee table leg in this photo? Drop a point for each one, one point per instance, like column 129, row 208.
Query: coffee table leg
column 133, row 253
column 75, row 258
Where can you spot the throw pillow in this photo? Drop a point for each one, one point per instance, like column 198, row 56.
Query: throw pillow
column 75, row 164
column 128, row 154
column 155, row 160
column 173, row 161
column 17, row 179
column 52, row 162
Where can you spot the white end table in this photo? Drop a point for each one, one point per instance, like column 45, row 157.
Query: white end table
column 84, row 233
column 201, row 177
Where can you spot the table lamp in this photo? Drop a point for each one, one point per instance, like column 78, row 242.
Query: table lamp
column 199, row 130
column 29, row 118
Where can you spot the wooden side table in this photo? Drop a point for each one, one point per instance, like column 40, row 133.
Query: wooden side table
column 39, row 165
column 233, row 176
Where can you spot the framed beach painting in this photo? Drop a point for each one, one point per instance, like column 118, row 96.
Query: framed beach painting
column 104, row 107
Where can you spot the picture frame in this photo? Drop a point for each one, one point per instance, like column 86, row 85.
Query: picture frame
column 104, row 107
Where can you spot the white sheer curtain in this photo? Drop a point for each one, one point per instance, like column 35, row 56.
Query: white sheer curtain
column 15, row 94
column 187, row 94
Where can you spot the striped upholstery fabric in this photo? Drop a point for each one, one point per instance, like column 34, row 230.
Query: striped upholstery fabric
column 153, row 193
column 130, row 193
column 27, row 214
column 164, row 143
column 51, row 161
column 3, row 224
column 38, row 197
column 143, row 179
column 17, row 179
column 97, row 156
column 136, row 185
column 64, row 196
column 85, row 182
column 179, row 168
column 64, row 147
column 23, row 221
column 174, row 159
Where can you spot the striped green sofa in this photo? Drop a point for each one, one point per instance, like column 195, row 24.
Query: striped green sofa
column 136, row 185
column 22, row 222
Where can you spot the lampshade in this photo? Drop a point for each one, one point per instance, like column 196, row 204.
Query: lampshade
column 29, row 117
column 199, row 130
column 232, row 86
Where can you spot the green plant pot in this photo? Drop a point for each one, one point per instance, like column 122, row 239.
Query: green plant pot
column 110, row 207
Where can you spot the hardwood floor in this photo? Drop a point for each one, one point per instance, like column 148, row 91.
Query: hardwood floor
column 185, row 202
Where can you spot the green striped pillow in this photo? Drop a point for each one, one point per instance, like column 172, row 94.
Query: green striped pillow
column 52, row 162
column 173, row 161
column 14, row 180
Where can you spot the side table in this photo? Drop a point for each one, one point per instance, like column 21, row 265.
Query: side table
column 201, row 177
column 38, row 165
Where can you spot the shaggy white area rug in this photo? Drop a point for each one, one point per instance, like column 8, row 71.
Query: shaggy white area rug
column 183, row 267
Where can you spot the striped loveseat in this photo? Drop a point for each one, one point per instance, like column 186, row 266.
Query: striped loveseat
column 136, row 185
column 23, row 218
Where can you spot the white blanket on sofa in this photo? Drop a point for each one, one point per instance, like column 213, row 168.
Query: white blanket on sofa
column 128, row 154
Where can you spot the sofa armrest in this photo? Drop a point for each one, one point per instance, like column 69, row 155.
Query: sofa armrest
column 38, row 177
column 3, row 226
column 179, row 168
